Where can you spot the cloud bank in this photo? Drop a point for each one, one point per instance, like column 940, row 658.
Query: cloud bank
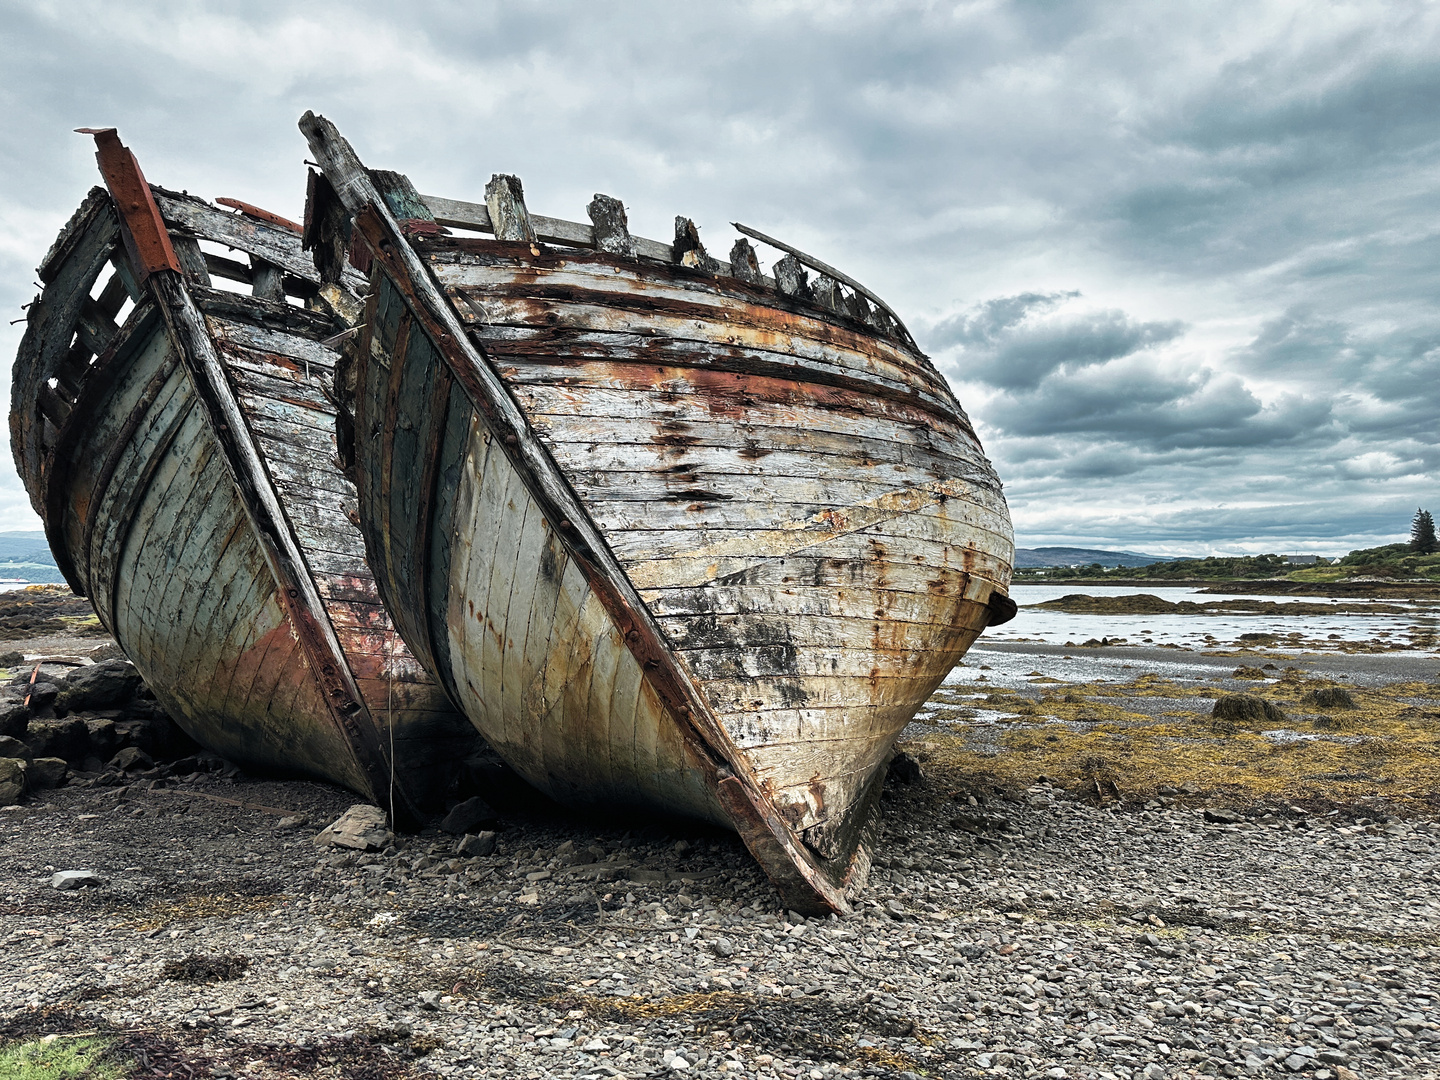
column 1178, row 261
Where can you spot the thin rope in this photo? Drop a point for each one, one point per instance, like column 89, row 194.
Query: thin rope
column 390, row 720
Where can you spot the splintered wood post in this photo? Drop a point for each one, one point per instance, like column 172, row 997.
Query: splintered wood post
column 612, row 229
column 687, row 249
column 192, row 260
column 827, row 293
column 505, row 199
column 791, row 279
column 743, row 263
column 267, row 280
column 858, row 307
column 327, row 228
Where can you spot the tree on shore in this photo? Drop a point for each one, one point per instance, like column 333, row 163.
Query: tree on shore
column 1422, row 534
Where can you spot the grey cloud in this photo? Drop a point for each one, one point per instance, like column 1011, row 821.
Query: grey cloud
column 1007, row 343
column 1270, row 212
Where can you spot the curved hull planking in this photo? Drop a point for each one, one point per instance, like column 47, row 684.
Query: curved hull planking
column 184, row 462
column 672, row 538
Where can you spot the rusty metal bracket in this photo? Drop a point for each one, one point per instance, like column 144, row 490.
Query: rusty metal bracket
column 147, row 240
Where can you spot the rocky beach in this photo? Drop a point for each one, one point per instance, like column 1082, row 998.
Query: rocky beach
column 1089, row 867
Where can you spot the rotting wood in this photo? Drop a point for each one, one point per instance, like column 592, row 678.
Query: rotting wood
column 505, row 199
column 687, row 249
column 743, row 262
column 797, row 873
column 140, row 477
column 791, row 279
column 825, row 268
column 541, row 536
column 612, row 228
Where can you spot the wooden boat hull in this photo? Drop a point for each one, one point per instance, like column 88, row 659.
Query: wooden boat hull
column 146, row 474
column 670, row 539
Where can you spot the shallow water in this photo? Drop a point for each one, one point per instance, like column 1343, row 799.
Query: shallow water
column 1418, row 627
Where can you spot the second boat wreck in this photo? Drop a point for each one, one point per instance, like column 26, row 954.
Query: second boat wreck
column 675, row 534
column 178, row 441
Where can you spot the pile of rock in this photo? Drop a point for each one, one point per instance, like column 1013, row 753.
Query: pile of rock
column 92, row 722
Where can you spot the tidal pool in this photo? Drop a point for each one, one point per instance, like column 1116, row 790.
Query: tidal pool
column 1417, row 628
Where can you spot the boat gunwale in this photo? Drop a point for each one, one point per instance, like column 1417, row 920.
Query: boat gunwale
column 490, row 252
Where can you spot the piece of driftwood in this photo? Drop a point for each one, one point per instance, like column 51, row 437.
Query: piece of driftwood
column 191, row 490
column 675, row 540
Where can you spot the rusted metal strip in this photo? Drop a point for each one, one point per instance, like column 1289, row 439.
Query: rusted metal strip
column 295, row 586
column 826, row 268
column 146, row 238
column 250, row 210
column 797, row 873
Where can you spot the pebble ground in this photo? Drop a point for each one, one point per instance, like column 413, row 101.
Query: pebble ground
column 1023, row 934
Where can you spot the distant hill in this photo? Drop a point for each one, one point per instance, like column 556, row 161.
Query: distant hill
column 1026, row 558
column 27, row 555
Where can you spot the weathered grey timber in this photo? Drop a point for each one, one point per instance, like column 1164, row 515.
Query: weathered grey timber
column 185, row 464
column 673, row 537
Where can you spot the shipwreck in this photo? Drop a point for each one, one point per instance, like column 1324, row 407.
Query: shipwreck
column 673, row 533
column 178, row 440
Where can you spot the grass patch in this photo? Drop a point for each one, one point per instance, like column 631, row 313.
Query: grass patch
column 58, row 1058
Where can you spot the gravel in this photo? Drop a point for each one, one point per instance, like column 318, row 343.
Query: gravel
column 1018, row 934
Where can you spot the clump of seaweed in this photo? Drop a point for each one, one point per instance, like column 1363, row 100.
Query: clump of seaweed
column 1330, row 697
column 1246, row 709
column 220, row 967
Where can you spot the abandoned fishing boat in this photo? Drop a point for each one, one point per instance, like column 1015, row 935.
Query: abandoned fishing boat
column 179, row 443
column 674, row 534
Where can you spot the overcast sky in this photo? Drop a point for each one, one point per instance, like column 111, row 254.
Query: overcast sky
column 1180, row 262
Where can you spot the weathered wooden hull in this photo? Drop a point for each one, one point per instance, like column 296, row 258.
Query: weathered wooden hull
column 250, row 613
column 671, row 539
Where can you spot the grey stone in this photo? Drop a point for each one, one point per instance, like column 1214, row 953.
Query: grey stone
column 12, row 780
column 98, row 686
column 430, row 999
column 12, row 747
column 1223, row 817
column 68, row 739
column 14, row 718
column 468, row 816
column 76, row 879
column 104, row 739
column 361, row 828
column 42, row 695
column 132, row 759
column 473, row 845
column 48, row 772
column 293, row 822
